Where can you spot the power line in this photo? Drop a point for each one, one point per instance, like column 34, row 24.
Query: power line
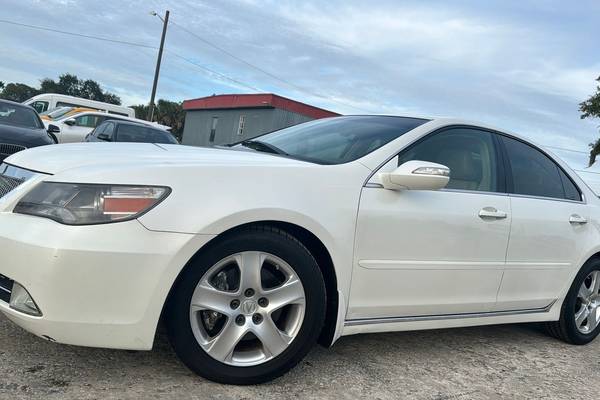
column 264, row 71
column 42, row 28
column 124, row 42
column 212, row 71
column 571, row 150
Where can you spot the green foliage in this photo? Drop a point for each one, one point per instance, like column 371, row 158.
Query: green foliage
column 17, row 92
column 67, row 84
column 591, row 109
column 168, row 113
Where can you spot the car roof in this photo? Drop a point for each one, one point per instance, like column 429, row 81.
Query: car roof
column 123, row 118
column 16, row 104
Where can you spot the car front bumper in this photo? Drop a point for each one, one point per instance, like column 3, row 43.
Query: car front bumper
column 97, row 286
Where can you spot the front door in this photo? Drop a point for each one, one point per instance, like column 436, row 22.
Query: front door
column 422, row 253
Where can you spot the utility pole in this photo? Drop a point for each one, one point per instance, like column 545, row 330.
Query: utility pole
column 157, row 70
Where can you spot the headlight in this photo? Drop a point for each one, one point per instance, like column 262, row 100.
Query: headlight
column 86, row 204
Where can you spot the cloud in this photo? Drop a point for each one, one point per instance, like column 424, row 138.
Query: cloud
column 521, row 66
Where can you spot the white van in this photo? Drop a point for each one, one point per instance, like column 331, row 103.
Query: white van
column 50, row 101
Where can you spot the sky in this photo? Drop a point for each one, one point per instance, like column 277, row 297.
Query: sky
column 523, row 66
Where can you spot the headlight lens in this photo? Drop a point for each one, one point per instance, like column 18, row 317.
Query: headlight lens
column 87, row 204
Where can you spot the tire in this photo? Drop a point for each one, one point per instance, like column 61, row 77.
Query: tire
column 566, row 328
column 190, row 327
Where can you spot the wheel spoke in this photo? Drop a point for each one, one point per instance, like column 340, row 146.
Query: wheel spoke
column 584, row 292
column 206, row 297
column 595, row 285
column 274, row 341
column 291, row 292
column 250, row 263
column 593, row 318
column 222, row 346
column 581, row 315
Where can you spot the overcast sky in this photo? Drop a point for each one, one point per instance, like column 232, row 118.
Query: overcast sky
column 520, row 65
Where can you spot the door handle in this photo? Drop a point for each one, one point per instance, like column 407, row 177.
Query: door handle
column 577, row 219
column 491, row 212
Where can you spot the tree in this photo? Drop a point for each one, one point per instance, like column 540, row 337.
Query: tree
column 68, row 84
column 17, row 92
column 591, row 109
column 168, row 113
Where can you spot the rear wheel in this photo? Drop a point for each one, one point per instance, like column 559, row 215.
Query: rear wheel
column 580, row 314
column 248, row 308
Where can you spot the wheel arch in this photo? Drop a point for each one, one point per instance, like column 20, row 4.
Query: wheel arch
column 318, row 250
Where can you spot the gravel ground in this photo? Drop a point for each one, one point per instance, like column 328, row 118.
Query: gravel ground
column 496, row 362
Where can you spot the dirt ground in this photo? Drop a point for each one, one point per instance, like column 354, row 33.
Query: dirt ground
column 494, row 362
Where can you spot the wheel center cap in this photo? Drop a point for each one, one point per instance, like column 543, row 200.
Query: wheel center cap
column 249, row 307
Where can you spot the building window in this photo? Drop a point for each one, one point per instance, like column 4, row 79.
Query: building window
column 241, row 125
column 213, row 129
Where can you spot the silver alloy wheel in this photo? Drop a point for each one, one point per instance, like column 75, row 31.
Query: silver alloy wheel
column 587, row 308
column 247, row 308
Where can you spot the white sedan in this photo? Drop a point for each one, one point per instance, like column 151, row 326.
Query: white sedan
column 250, row 255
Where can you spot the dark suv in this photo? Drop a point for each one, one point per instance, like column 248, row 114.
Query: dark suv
column 20, row 128
column 126, row 131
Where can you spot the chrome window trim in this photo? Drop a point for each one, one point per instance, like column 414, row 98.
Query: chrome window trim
column 373, row 185
column 418, row 318
column 526, row 196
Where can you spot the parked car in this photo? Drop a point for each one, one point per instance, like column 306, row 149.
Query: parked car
column 126, row 131
column 20, row 128
column 50, row 101
column 74, row 128
column 334, row 227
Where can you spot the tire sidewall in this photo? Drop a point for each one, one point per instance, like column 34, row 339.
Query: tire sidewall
column 568, row 308
column 278, row 244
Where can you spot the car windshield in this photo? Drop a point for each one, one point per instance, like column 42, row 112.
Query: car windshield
column 58, row 112
column 143, row 134
column 12, row 114
column 334, row 140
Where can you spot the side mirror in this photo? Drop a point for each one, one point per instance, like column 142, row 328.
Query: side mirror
column 416, row 175
column 53, row 129
column 103, row 136
column 71, row 122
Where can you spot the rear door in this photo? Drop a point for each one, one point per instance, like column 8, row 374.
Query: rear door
column 548, row 232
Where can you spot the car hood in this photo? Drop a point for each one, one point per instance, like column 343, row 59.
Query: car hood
column 57, row 158
column 28, row 137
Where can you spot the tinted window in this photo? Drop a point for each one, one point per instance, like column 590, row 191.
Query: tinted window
column 339, row 140
column 99, row 130
column 109, row 130
column 535, row 174
column 143, row 134
column 13, row 114
column 470, row 154
column 88, row 121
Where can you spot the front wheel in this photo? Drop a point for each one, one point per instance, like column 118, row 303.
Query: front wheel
column 248, row 308
column 580, row 314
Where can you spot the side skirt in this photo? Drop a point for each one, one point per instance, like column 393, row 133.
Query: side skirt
column 412, row 323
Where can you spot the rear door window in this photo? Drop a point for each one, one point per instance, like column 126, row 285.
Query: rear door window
column 532, row 173
column 144, row 134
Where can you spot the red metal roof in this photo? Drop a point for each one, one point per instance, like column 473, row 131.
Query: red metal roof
column 266, row 100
